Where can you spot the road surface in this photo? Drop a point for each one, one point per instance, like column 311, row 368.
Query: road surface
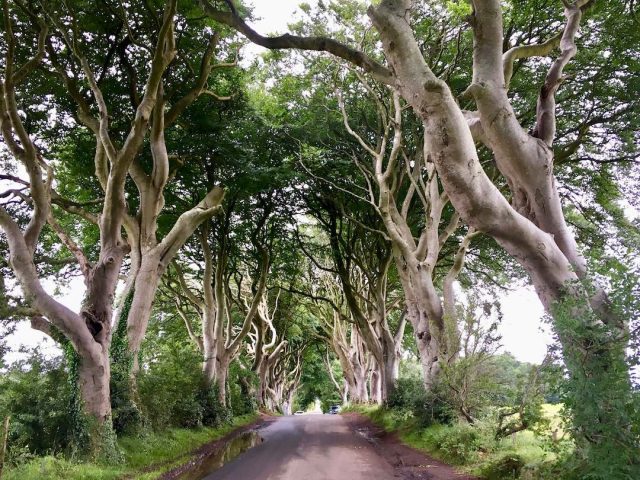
column 308, row 447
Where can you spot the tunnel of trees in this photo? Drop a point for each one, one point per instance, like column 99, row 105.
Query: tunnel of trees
column 336, row 219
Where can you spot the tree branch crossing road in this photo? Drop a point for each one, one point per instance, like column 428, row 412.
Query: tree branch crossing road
column 308, row 447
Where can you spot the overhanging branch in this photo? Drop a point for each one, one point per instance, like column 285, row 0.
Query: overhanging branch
column 287, row 41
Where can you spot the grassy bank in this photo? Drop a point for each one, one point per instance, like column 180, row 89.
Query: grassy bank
column 472, row 449
column 145, row 458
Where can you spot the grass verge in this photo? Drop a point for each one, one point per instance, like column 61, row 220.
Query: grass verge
column 146, row 457
column 472, row 449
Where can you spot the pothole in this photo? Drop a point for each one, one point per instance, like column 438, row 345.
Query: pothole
column 367, row 434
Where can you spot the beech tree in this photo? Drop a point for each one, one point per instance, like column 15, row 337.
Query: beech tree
column 266, row 347
column 343, row 337
column 88, row 331
column 219, row 291
column 361, row 261
column 64, row 50
column 531, row 227
column 398, row 176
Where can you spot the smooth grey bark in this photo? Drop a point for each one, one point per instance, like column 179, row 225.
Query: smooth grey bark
column 415, row 260
column 88, row 331
column 266, row 351
column 210, row 296
column 344, row 338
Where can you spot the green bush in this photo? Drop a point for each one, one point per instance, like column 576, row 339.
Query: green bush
column 172, row 392
column 507, row 467
column 459, row 443
column 36, row 394
column 427, row 408
column 242, row 387
column 214, row 413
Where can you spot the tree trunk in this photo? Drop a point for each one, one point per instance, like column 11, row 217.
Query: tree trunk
column 425, row 313
column 3, row 442
column 375, row 386
column 221, row 382
column 345, row 392
column 391, row 373
column 93, row 387
column 131, row 327
column 145, row 288
column 93, row 383
column 210, row 369
column 360, row 393
column 209, row 344
column 262, row 383
column 598, row 371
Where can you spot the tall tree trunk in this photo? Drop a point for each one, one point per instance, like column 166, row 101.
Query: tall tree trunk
column 93, row 377
column 375, row 386
column 548, row 257
column 360, row 392
column 391, row 373
column 424, row 312
column 144, row 292
column 93, row 382
column 220, row 379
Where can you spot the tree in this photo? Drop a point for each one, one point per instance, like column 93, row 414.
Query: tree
column 219, row 343
column 532, row 228
column 361, row 260
column 63, row 50
column 89, row 331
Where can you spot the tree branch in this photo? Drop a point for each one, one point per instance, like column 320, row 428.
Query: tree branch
column 545, row 128
column 287, row 41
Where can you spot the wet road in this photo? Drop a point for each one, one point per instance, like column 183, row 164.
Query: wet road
column 308, row 447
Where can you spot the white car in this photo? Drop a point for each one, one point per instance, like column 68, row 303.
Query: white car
column 299, row 412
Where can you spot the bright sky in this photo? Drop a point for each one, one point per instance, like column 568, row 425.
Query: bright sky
column 523, row 332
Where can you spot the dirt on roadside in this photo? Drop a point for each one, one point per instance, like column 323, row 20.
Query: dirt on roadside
column 409, row 463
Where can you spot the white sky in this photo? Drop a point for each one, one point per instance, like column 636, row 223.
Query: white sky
column 522, row 329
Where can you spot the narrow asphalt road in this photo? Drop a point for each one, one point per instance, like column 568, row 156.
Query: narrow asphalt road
column 308, row 447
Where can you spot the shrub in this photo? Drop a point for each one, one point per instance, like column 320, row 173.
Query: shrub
column 214, row 413
column 169, row 389
column 411, row 397
column 459, row 443
column 242, row 387
column 36, row 394
column 508, row 466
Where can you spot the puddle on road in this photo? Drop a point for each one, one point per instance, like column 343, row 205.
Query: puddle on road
column 367, row 434
column 217, row 459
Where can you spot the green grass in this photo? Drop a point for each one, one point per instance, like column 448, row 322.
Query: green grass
column 451, row 444
column 145, row 458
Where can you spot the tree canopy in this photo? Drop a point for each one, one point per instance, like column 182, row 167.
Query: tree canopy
column 336, row 220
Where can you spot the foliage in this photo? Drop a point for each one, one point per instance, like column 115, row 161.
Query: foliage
column 604, row 449
column 127, row 417
column 459, row 443
column 473, row 448
column 171, row 389
column 411, row 398
column 316, row 383
column 145, row 458
column 508, row 466
column 36, row 393
column 241, row 399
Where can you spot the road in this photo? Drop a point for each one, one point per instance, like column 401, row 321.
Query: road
column 308, row 447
